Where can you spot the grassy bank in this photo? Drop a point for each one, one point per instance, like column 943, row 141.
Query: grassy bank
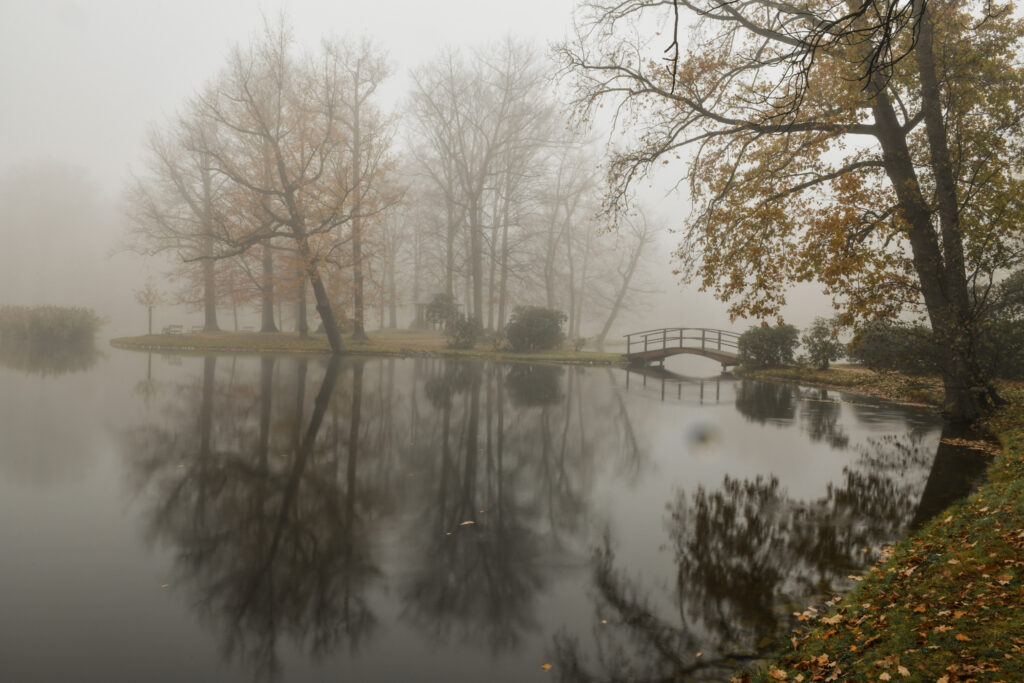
column 382, row 343
column 946, row 604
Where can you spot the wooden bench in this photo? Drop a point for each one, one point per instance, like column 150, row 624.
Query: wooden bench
column 197, row 328
column 173, row 329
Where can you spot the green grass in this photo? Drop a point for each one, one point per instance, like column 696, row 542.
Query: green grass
column 946, row 604
column 382, row 343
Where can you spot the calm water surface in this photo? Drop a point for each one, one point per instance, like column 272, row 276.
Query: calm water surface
column 221, row 519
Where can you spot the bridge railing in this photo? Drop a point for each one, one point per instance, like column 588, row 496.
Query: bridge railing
column 702, row 338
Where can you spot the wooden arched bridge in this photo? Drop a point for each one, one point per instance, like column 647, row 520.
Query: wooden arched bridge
column 654, row 346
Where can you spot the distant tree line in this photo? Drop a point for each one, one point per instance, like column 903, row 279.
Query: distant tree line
column 283, row 179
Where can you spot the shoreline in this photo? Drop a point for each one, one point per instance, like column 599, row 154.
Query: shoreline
column 390, row 344
column 944, row 604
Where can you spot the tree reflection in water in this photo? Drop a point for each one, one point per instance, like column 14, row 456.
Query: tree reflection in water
column 275, row 515
column 747, row 555
column 268, row 538
column 463, row 489
column 48, row 359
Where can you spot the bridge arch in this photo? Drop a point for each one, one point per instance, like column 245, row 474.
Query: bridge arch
column 654, row 346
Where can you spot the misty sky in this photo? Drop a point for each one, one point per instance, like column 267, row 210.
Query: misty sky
column 83, row 82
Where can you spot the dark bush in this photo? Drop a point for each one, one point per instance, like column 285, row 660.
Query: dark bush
column 442, row 310
column 41, row 325
column 821, row 343
column 462, row 332
column 768, row 346
column 885, row 346
column 534, row 328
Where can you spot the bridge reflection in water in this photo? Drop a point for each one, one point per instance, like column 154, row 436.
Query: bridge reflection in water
column 663, row 380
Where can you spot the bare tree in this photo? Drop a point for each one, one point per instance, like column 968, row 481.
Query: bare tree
column 368, row 135
column 174, row 209
column 275, row 136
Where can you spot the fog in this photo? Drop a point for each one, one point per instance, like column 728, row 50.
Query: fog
column 85, row 83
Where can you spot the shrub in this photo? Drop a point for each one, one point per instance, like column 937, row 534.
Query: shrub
column 442, row 309
column 48, row 325
column 885, row 346
column 768, row 346
column 462, row 332
column 821, row 343
column 534, row 328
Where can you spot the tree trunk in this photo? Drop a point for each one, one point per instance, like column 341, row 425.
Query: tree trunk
column 476, row 249
column 627, row 278
column 323, row 303
column 358, row 313
column 301, row 319
column 209, row 297
column 267, row 290
column 969, row 393
column 393, row 298
column 503, row 279
column 209, row 273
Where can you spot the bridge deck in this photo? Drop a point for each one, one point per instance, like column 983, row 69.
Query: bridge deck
column 653, row 346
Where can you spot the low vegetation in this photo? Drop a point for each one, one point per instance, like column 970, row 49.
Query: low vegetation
column 47, row 325
column 768, row 346
column 534, row 328
column 380, row 343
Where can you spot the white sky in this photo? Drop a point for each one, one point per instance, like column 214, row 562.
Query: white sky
column 82, row 81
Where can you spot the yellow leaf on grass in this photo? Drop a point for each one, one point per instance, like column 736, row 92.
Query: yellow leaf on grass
column 885, row 676
column 778, row 674
column 904, row 671
column 962, row 638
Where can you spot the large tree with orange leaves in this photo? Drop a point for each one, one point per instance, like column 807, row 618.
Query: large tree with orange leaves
column 894, row 181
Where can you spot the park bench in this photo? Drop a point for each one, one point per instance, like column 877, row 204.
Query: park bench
column 173, row 329
column 197, row 328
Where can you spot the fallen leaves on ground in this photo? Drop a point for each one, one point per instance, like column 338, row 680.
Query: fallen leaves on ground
column 948, row 603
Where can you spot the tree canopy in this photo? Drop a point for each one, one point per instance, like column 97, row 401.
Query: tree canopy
column 881, row 158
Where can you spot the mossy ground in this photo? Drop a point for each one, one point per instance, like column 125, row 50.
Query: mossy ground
column 380, row 343
column 946, row 604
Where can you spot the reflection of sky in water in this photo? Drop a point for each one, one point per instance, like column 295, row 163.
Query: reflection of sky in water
column 90, row 472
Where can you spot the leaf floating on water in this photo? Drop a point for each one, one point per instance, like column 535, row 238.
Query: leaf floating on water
column 447, row 533
column 467, row 522
column 284, row 455
column 604, row 621
column 546, row 666
column 164, row 585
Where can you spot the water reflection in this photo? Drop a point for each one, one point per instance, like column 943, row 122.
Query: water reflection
column 319, row 505
column 48, row 359
column 264, row 517
column 748, row 554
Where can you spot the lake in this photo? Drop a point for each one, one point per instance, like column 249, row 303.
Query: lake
column 229, row 518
